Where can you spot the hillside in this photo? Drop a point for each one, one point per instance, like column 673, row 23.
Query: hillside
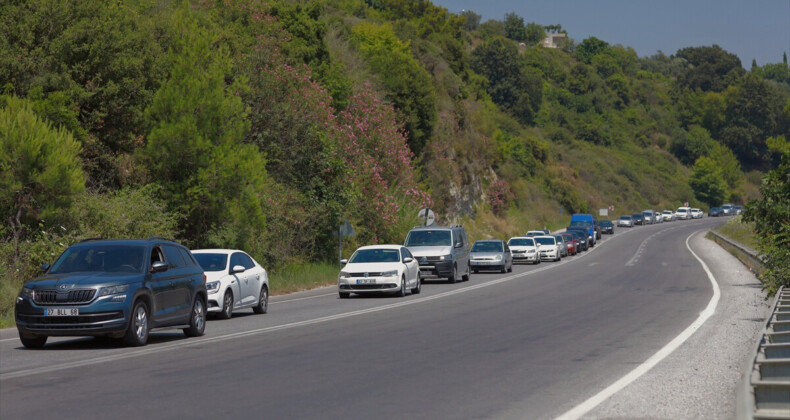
column 264, row 125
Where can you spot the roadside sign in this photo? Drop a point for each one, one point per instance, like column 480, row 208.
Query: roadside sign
column 427, row 216
column 603, row 212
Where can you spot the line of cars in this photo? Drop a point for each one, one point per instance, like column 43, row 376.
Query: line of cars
column 444, row 252
column 125, row 288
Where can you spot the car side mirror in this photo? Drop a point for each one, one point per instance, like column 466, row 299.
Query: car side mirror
column 408, row 259
column 344, row 261
column 237, row 269
column 158, row 267
column 45, row 267
column 458, row 244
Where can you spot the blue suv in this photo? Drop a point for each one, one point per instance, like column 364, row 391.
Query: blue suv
column 118, row 288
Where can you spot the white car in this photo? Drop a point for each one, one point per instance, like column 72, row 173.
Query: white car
column 524, row 249
column 234, row 281
column 549, row 247
column 683, row 213
column 379, row 268
column 668, row 215
column 696, row 213
column 625, row 221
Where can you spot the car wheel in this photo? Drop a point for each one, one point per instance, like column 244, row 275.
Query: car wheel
column 197, row 319
column 227, row 305
column 343, row 295
column 466, row 276
column 33, row 341
column 402, row 291
column 418, row 288
column 510, row 269
column 452, row 279
column 476, row 271
column 503, row 269
column 263, row 301
column 137, row 333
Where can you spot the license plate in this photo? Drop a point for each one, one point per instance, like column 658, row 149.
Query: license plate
column 366, row 281
column 426, row 273
column 62, row 312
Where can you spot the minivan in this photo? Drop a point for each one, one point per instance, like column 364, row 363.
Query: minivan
column 442, row 251
column 589, row 222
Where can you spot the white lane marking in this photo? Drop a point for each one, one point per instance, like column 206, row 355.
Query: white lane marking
column 226, row 337
column 304, row 298
column 9, row 339
column 595, row 400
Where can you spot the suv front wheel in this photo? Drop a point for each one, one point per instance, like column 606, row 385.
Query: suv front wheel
column 137, row 333
column 453, row 274
column 33, row 341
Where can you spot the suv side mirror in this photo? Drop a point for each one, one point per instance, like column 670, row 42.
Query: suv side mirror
column 458, row 244
column 158, row 267
column 237, row 269
column 45, row 267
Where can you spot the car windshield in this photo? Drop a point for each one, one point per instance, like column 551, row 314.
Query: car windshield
column 375, row 256
column 606, row 223
column 521, row 242
column 429, row 238
column 625, row 217
column 545, row 241
column 487, row 246
column 580, row 223
column 681, row 211
column 212, row 262
column 100, row 258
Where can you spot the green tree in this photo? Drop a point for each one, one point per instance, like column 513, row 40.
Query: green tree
column 514, row 27
column 710, row 68
column 194, row 150
column 472, row 20
column 771, row 217
column 40, row 169
column 707, row 182
column 589, row 48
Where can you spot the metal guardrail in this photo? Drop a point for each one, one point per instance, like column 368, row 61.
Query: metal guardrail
column 765, row 388
column 750, row 257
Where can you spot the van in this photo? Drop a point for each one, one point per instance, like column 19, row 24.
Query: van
column 441, row 251
column 649, row 217
column 683, row 213
column 590, row 224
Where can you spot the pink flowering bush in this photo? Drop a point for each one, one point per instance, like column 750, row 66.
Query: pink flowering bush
column 499, row 196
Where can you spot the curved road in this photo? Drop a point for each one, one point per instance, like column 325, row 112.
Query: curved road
column 528, row 344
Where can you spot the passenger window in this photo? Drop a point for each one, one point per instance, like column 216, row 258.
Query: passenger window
column 187, row 257
column 173, row 257
column 235, row 260
column 156, row 255
column 246, row 261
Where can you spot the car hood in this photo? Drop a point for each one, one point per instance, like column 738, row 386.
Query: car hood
column 522, row 248
column 430, row 251
column 371, row 267
column 486, row 254
column 216, row 275
column 51, row 281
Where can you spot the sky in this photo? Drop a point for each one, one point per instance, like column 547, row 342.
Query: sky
column 751, row 29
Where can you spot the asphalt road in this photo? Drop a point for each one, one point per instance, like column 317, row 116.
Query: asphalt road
column 528, row 344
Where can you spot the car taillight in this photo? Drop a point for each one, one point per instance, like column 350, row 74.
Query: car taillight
column 204, row 278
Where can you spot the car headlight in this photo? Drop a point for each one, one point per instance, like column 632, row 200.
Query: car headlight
column 392, row 273
column 497, row 258
column 113, row 290
column 531, row 251
column 28, row 292
column 344, row 274
column 446, row 257
column 212, row 287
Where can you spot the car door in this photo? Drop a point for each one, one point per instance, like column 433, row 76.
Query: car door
column 242, row 277
column 162, row 287
column 252, row 282
column 182, row 279
column 412, row 267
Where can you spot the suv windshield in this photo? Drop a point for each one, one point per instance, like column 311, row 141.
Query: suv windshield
column 375, row 256
column 521, row 242
column 100, row 258
column 580, row 223
column 429, row 238
column 212, row 262
column 487, row 246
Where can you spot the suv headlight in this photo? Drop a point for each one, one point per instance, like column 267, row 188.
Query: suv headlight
column 29, row 293
column 212, row 287
column 113, row 290
column 392, row 273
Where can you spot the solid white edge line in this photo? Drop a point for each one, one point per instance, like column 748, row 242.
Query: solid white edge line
column 595, row 400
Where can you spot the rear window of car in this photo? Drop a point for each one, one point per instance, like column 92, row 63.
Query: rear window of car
column 212, row 262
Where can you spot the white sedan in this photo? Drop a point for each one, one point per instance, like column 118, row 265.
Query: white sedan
column 524, row 249
column 234, row 280
column 379, row 268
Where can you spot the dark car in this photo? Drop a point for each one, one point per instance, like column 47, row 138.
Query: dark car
column 581, row 235
column 715, row 212
column 638, row 219
column 607, row 227
column 119, row 288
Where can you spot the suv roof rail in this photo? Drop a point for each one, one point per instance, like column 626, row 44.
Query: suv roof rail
column 161, row 238
column 91, row 239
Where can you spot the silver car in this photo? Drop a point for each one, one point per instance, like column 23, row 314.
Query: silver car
column 491, row 254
